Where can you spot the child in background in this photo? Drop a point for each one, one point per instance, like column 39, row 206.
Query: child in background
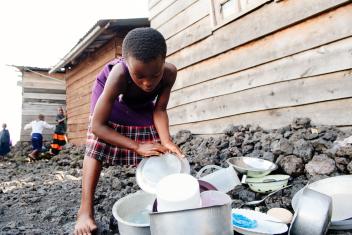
column 37, row 127
column 59, row 139
column 5, row 141
column 129, row 119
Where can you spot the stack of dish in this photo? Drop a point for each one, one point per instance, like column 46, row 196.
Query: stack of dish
column 151, row 170
column 339, row 188
column 257, row 171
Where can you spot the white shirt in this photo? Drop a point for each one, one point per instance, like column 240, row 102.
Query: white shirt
column 38, row 126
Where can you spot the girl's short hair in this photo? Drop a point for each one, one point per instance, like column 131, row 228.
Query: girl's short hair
column 144, row 44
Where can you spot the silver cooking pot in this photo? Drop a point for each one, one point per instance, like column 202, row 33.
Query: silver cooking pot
column 201, row 221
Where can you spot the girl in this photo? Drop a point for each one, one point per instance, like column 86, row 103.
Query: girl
column 128, row 104
column 59, row 139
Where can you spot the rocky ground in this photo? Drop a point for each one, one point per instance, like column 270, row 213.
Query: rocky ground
column 43, row 197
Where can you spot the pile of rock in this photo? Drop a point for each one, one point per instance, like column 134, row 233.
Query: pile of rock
column 46, row 193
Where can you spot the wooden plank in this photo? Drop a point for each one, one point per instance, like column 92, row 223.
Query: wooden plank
column 159, row 8
column 194, row 13
column 290, row 93
column 326, row 59
column 44, row 96
column 171, row 11
column 42, row 90
column 43, row 85
column 35, row 105
column 192, row 34
column 268, row 19
column 336, row 113
column 287, row 42
column 97, row 60
column 36, row 112
column 78, row 141
column 28, row 118
column 78, row 110
column 74, row 128
column 78, row 116
column 79, row 134
column 152, row 3
column 79, row 120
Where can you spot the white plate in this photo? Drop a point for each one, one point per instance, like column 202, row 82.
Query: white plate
column 264, row 227
column 151, row 170
column 339, row 188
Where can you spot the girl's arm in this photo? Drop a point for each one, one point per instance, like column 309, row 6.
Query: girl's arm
column 115, row 86
column 161, row 119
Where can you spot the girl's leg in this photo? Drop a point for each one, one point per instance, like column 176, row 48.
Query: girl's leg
column 85, row 218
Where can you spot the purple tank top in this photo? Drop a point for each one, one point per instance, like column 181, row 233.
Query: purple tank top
column 125, row 111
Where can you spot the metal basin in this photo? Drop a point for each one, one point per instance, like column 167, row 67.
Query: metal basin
column 132, row 213
column 253, row 167
column 313, row 214
column 200, row 221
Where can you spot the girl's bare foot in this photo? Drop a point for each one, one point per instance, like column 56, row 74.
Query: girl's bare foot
column 85, row 224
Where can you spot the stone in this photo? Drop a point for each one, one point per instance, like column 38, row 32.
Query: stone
column 349, row 167
column 291, row 165
column 300, row 123
column 320, row 165
column 282, row 146
column 269, row 156
column 303, row 149
column 345, row 151
column 341, row 163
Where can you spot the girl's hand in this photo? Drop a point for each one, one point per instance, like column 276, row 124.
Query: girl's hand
column 173, row 148
column 150, row 149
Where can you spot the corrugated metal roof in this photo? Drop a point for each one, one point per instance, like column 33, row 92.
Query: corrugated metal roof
column 23, row 68
column 102, row 32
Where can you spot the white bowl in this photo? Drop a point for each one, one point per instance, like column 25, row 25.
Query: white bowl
column 151, row 170
column 178, row 192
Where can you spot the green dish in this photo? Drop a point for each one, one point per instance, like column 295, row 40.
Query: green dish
column 267, row 183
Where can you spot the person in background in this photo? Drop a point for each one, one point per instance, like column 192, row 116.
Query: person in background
column 37, row 127
column 5, row 141
column 59, row 139
column 129, row 119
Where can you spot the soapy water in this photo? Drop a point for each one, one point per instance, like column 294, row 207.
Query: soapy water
column 139, row 217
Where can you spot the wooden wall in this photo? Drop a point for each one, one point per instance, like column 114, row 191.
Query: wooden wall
column 285, row 59
column 79, row 84
column 41, row 95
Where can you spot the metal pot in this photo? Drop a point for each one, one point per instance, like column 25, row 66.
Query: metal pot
column 200, row 221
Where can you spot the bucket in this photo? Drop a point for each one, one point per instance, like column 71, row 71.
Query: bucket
column 132, row 213
column 224, row 179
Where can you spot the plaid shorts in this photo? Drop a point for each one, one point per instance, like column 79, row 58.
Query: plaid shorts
column 113, row 155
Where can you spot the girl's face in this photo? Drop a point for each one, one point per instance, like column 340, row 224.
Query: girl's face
column 146, row 75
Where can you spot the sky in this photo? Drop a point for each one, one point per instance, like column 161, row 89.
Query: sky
column 39, row 32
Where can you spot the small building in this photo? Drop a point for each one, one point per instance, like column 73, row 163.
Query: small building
column 82, row 64
column 259, row 62
column 41, row 94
